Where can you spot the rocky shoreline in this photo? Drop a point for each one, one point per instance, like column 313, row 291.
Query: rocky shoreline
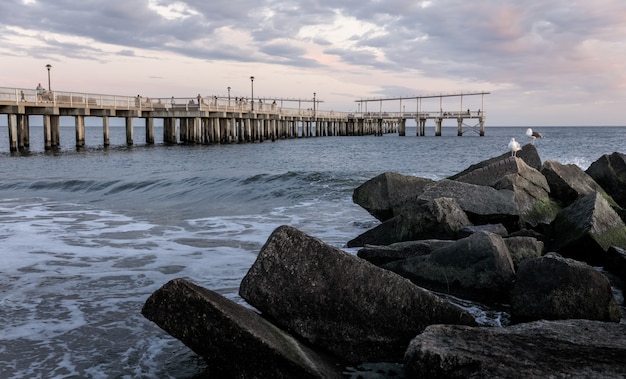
column 545, row 240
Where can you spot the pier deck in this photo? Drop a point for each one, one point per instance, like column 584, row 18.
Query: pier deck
column 206, row 119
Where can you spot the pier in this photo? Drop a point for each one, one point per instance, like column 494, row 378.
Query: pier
column 209, row 120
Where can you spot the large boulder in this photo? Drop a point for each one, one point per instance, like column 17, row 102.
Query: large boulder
column 381, row 254
column 339, row 302
column 552, row 287
column 381, row 195
column 477, row 267
column 568, row 182
column 576, row 349
column 522, row 248
column 528, row 154
column 587, row 228
column 609, row 171
column 235, row 341
column 439, row 218
column 482, row 204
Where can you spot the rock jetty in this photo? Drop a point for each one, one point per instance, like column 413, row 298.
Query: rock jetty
column 545, row 241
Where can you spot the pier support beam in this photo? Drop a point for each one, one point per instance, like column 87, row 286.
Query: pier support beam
column 129, row 131
column 460, row 127
column 47, row 133
column 438, row 123
column 12, row 124
column 79, row 122
column 23, row 132
column 55, row 130
column 106, row 131
column 149, row 130
column 482, row 126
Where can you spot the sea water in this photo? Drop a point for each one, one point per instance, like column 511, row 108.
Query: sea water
column 87, row 235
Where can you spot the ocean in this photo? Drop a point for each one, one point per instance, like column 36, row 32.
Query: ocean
column 86, row 236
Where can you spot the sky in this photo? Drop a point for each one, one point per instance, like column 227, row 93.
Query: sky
column 544, row 63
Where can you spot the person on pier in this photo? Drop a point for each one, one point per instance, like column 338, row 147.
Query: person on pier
column 39, row 90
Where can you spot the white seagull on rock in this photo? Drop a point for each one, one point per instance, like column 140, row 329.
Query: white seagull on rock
column 533, row 135
column 514, row 146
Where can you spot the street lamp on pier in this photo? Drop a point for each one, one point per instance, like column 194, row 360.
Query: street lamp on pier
column 313, row 104
column 229, row 96
column 252, row 86
column 49, row 66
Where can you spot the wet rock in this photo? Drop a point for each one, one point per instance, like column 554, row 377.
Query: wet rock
column 482, row 204
column 609, row 171
column 528, row 154
column 553, row 287
column 587, row 228
column 522, row 248
column 381, row 195
column 439, row 218
column 223, row 333
column 379, row 255
column 568, row 182
column 616, row 263
column 339, row 302
column 543, row 349
column 492, row 228
column 478, row 267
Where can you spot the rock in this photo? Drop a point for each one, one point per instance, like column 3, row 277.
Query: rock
column 528, row 154
column 478, row 267
column 482, row 204
column 235, row 341
column 381, row 195
column 609, row 171
column 587, row 228
column 553, row 288
column 576, row 349
column 379, row 255
column 522, row 248
column 492, row 228
column 616, row 263
column 440, row 218
column 338, row 302
column 568, row 182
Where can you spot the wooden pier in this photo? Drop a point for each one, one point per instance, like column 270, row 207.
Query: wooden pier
column 205, row 120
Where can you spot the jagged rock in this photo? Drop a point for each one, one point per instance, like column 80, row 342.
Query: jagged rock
column 616, row 263
column 609, row 171
column 522, row 248
column 587, row 228
column 440, row 218
column 235, row 341
column 568, row 182
column 379, row 255
column 576, row 349
column 478, row 267
column 381, row 195
column 339, row 302
column 482, row 204
column 528, row 154
column 553, row 288
column 492, row 228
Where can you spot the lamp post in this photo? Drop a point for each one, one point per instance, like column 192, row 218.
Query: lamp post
column 49, row 66
column 313, row 104
column 252, row 86
column 229, row 96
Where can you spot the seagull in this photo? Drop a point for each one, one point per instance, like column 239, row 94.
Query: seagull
column 514, row 147
column 533, row 135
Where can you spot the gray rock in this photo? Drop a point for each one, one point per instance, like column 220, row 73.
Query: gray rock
column 482, row 204
column 616, row 263
column 339, row 302
column 478, row 267
column 522, row 248
column 235, row 341
column 553, row 288
column 528, row 154
column 568, row 182
column 609, row 171
column 440, row 218
column 587, row 228
column 379, row 255
column 381, row 195
column 575, row 349
column 492, row 228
